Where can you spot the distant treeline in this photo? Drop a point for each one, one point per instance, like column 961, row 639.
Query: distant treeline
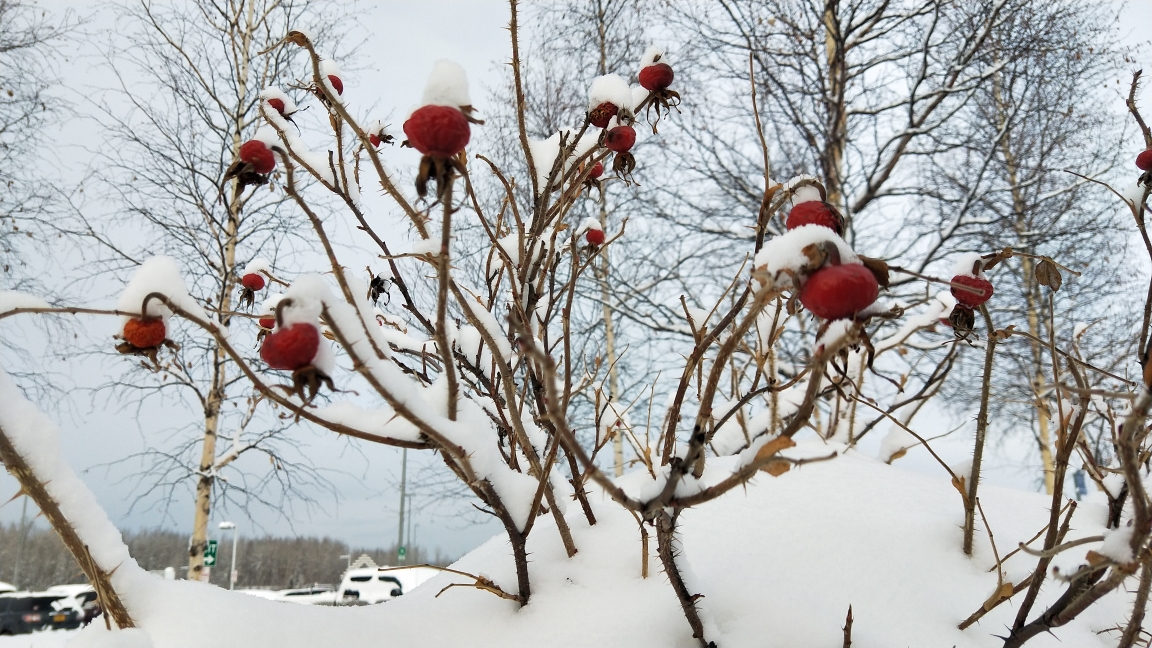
column 279, row 563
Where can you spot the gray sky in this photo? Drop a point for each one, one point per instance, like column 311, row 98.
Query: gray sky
column 410, row 36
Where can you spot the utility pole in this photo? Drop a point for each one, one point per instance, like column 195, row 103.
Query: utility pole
column 235, row 534
column 401, row 550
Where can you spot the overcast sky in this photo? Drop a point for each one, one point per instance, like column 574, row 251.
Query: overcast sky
column 407, row 38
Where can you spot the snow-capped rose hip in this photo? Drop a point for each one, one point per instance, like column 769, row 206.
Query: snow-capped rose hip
column 291, row 348
column 145, row 333
column 439, row 131
column 971, row 298
column 814, row 212
column 657, row 77
column 252, row 281
column 267, row 323
column 620, row 139
column 277, row 105
column 839, row 291
column 337, row 84
column 1144, row 160
column 594, row 236
column 602, row 114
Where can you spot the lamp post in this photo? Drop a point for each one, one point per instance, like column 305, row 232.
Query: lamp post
column 235, row 534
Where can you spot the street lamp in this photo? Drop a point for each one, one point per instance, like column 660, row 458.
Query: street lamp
column 235, row 534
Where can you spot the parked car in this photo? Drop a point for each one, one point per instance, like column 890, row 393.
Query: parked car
column 367, row 586
column 315, row 595
column 6, row 587
column 24, row 612
column 81, row 598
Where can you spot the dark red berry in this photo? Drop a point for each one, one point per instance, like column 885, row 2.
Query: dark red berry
column 596, row 171
column 374, row 139
column 337, row 84
column 594, row 236
column 439, row 131
column 620, row 139
column 258, row 154
column 145, row 333
column 252, row 281
column 291, row 348
column 813, row 212
column 602, row 114
column 656, row 77
column 967, row 297
column 1144, row 160
column 278, row 104
column 268, row 323
column 836, row 292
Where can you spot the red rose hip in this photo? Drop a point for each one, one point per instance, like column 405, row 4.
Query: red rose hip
column 145, row 333
column 258, row 154
column 252, row 281
column 602, row 114
column 594, row 236
column 657, row 77
column 814, row 212
column 967, row 297
column 620, row 139
column 291, row 348
column 267, row 323
column 278, row 105
column 337, row 84
column 439, row 131
column 596, row 171
column 1144, row 160
column 836, row 292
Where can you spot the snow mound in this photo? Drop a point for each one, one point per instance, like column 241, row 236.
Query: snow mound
column 447, row 86
column 779, row 563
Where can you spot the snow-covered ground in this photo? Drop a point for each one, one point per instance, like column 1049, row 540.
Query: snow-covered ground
column 778, row 565
column 49, row 639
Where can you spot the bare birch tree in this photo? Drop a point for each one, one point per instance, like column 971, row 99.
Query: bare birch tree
column 193, row 75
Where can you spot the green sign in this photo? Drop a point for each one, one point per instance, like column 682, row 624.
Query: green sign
column 210, row 554
column 402, row 552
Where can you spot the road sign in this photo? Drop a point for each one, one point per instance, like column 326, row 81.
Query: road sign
column 402, row 553
column 210, row 554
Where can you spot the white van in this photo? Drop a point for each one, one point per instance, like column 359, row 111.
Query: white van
column 370, row 585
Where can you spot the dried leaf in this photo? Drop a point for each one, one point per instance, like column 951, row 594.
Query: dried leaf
column 990, row 261
column 1002, row 592
column 1047, row 274
column 879, row 269
column 561, row 227
column 774, row 446
column 1094, row 558
column 776, row 468
column 896, row 455
column 817, row 254
column 958, row 484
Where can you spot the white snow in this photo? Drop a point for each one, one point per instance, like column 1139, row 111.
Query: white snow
column 257, row 265
column 545, row 152
column 1117, row 545
column 837, row 330
column 807, row 193
column 784, row 254
column 272, row 92
column 589, row 223
column 897, row 441
column 328, row 68
column 159, row 274
column 11, row 300
column 965, row 263
column 610, row 88
column 268, row 135
column 447, row 86
column 652, row 56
